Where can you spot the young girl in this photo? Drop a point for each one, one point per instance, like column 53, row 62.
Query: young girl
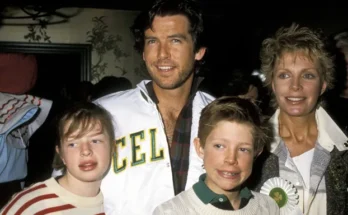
column 230, row 137
column 84, row 148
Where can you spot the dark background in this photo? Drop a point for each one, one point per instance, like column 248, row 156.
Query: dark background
column 235, row 28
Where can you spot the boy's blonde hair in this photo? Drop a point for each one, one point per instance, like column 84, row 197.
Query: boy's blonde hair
column 234, row 109
column 82, row 116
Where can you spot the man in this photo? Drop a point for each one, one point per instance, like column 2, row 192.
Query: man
column 155, row 123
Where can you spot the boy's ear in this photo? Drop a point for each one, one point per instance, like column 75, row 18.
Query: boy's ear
column 198, row 147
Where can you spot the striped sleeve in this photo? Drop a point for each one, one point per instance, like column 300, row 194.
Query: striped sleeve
column 35, row 200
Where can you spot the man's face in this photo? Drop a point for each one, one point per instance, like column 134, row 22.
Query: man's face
column 169, row 51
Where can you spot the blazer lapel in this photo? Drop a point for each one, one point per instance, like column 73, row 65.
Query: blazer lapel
column 336, row 183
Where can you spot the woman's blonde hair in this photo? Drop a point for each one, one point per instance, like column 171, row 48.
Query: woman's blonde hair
column 291, row 40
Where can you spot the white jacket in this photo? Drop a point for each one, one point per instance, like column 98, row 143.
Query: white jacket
column 140, row 177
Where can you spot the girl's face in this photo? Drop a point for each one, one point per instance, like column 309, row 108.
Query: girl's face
column 87, row 158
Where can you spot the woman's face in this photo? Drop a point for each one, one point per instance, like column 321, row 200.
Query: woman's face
column 297, row 84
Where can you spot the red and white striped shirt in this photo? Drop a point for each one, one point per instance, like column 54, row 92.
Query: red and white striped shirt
column 48, row 197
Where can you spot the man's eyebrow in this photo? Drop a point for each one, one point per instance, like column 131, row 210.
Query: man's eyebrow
column 150, row 37
column 182, row 36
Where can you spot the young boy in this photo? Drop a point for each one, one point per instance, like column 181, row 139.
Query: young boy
column 84, row 148
column 230, row 137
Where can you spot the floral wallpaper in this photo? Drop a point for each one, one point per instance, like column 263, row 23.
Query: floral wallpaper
column 103, row 43
column 38, row 33
column 106, row 30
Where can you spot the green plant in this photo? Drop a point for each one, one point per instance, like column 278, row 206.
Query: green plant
column 102, row 43
column 37, row 32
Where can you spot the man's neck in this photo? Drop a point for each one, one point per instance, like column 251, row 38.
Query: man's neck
column 176, row 98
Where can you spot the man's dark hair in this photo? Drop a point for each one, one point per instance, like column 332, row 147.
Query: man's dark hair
column 188, row 8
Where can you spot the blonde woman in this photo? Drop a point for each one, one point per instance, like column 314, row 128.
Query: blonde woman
column 308, row 156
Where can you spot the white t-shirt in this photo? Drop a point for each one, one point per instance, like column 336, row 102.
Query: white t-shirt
column 303, row 163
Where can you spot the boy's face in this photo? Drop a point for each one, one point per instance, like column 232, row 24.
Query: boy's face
column 87, row 158
column 228, row 156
